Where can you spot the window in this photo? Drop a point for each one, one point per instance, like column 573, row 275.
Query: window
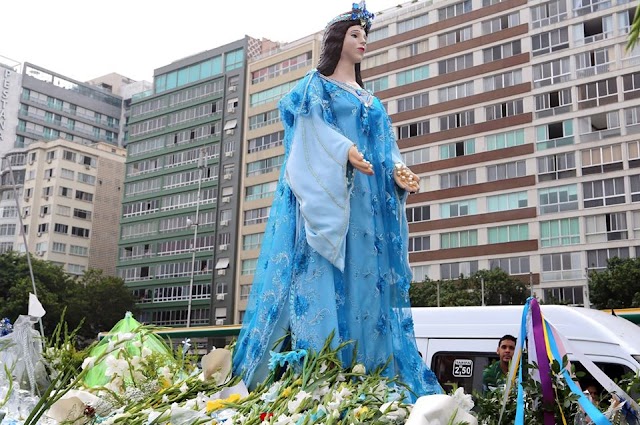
column 59, row 247
column 564, row 266
column 454, row 10
column 84, row 196
column 550, row 41
column 75, row 268
column 603, row 192
column 594, row 62
column 457, row 120
column 67, row 174
column 412, row 75
column 512, row 233
column 48, row 173
column 408, row 50
column 504, row 140
column 249, row 266
column 504, row 110
column 572, row 295
column 415, row 129
column 69, row 156
column 552, row 72
column 265, row 142
column 233, row 60
column 60, row 228
column 631, row 85
column 88, row 160
column 416, row 156
column 378, row 34
column 511, row 265
column 83, row 214
column 593, row 30
column 457, row 63
column 413, row 102
column 255, row 216
column 500, row 23
column 456, row 36
column 548, row 13
column 597, row 93
column 558, row 199
column 560, row 232
column 377, row 85
column 606, row 227
column 260, row 191
column 413, row 23
column 597, row 259
column 252, row 241
column 86, row 178
column 455, row 92
column 602, row 160
column 264, row 166
column 43, row 227
column 8, row 229
column 459, row 239
column 419, row 243
column 79, row 231
column 51, row 155
column 82, row 251
column 556, row 167
column 375, row 60
column 63, row 210
column 458, row 208
column 509, row 170
column 457, row 179
column 500, row 81
column 553, row 103
column 632, row 118
column 501, row 51
column 634, row 182
column 272, row 94
column 417, row 214
column 554, row 135
column 453, row 150
column 47, row 191
column 420, row 273
column 456, row 270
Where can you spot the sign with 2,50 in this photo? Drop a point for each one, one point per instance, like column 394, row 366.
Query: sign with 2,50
column 462, row 368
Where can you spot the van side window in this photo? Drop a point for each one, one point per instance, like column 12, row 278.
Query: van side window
column 456, row 369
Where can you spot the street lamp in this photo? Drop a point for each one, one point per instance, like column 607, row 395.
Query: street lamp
column 202, row 163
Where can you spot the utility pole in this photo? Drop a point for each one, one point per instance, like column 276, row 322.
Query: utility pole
column 202, row 163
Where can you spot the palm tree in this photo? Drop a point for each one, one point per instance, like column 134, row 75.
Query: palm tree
column 634, row 33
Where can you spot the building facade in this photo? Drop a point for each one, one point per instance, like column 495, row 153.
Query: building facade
column 269, row 77
column 67, row 206
column 180, row 205
column 521, row 119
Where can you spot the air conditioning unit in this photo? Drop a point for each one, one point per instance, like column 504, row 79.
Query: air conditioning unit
column 31, row 161
column 87, row 167
column 26, row 198
column 227, row 176
column 49, row 160
column 222, row 247
column 228, row 154
column 39, row 253
column 226, row 199
column 233, row 88
column 220, row 297
column 39, row 234
column 231, row 109
column 41, row 215
column 230, row 131
column 224, row 222
column 219, row 322
column 46, row 198
column 222, row 272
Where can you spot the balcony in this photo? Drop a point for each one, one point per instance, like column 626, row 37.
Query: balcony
column 592, row 6
column 595, row 70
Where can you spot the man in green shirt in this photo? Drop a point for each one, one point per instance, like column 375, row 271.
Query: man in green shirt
column 495, row 375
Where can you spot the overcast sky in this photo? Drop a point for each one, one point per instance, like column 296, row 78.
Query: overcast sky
column 85, row 39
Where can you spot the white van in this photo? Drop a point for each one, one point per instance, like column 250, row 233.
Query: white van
column 459, row 342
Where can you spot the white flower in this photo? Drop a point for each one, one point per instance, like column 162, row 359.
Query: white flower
column 137, row 343
column 392, row 412
column 465, row 401
column 217, row 365
column 115, row 366
column 323, row 367
column 272, row 394
column 165, row 398
column 359, row 369
column 293, row 405
column 145, row 352
column 88, row 362
column 126, row 336
column 184, row 388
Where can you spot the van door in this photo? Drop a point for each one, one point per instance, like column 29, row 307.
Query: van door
column 460, row 362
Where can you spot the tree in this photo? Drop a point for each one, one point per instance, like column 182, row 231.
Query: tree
column 95, row 300
column 499, row 289
column 618, row 286
column 634, row 31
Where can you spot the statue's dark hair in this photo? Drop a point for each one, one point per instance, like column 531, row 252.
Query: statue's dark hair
column 332, row 48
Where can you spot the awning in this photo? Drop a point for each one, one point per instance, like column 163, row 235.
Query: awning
column 222, row 263
column 231, row 124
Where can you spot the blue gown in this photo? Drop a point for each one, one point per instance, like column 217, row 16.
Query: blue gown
column 334, row 255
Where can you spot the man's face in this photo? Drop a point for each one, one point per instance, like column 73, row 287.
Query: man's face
column 505, row 350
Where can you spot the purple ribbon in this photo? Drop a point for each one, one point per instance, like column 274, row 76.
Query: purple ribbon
column 548, row 398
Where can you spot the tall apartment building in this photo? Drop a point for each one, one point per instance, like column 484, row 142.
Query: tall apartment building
column 83, row 119
column 522, row 120
column 180, row 205
column 269, row 77
column 70, row 204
